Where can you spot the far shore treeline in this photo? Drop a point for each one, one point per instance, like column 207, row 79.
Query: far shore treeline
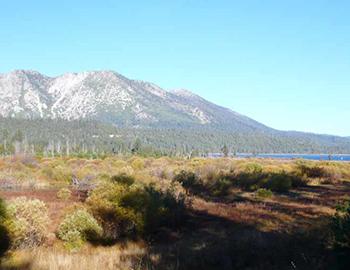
column 87, row 138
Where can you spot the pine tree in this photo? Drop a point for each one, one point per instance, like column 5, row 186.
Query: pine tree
column 225, row 150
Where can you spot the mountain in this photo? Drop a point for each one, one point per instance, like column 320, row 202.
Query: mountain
column 110, row 97
column 165, row 119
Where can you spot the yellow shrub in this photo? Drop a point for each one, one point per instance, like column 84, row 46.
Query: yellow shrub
column 59, row 173
column 78, row 227
column 138, row 164
column 88, row 171
column 64, row 194
column 27, row 222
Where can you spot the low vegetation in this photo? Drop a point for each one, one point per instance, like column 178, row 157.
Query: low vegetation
column 250, row 178
column 27, row 222
column 168, row 213
column 263, row 193
column 64, row 194
column 340, row 234
column 126, row 209
column 4, row 235
column 77, row 228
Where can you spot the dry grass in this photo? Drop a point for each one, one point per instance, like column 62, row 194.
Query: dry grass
column 27, row 171
column 127, row 256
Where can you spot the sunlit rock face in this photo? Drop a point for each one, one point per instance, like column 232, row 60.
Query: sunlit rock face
column 110, row 97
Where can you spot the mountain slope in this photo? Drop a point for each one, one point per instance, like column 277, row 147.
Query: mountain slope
column 175, row 116
column 110, row 97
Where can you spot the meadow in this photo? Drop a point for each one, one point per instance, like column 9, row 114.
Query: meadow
column 131, row 212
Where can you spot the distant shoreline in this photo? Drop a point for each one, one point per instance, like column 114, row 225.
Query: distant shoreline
column 319, row 157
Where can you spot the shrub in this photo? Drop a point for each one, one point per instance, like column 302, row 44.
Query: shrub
column 138, row 164
column 155, row 208
column 135, row 210
column 327, row 172
column 341, row 226
column 2, row 210
column 104, row 203
column 279, row 182
column 312, row 171
column 298, row 180
column 4, row 235
column 116, row 222
column 88, row 171
column 123, row 179
column 188, row 180
column 64, row 194
column 27, row 160
column 253, row 168
column 58, row 173
column 249, row 181
column 263, row 193
column 78, row 227
column 340, row 234
column 208, row 173
column 62, row 174
column 220, row 186
column 27, row 222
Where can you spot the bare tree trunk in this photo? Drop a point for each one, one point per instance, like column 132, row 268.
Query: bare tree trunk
column 58, row 147
column 17, row 146
column 25, row 145
column 52, row 148
column 67, row 148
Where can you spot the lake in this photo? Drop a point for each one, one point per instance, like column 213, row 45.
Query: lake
column 291, row 156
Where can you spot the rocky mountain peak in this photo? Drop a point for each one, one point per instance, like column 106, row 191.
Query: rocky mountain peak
column 110, row 97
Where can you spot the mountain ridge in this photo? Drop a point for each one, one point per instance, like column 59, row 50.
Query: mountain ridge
column 109, row 97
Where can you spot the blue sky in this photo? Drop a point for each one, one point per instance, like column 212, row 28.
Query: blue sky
column 283, row 63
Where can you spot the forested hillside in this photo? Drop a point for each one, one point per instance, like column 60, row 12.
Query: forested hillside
column 60, row 137
column 101, row 112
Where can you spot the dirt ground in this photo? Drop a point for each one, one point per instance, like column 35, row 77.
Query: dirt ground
column 55, row 205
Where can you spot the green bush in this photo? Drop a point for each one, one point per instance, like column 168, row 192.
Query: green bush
column 59, row 173
column 248, row 181
column 311, row 171
column 135, row 210
column 156, row 208
column 279, row 182
column 188, row 180
column 123, row 179
column 327, row 172
column 340, row 234
column 341, row 226
column 220, row 186
column 138, row 164
column 4, row 235
column 116, row 221
column 3, row 214
column 64, row 194
column 27, row 222
column 298, row 180
column 78, row 227
column 263, row 193
column 253, row 168
column 251, row 179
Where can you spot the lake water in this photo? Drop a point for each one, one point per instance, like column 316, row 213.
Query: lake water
column 292, row 156
column 303, row 156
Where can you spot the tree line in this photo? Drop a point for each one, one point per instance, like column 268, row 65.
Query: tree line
column 82, row 137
